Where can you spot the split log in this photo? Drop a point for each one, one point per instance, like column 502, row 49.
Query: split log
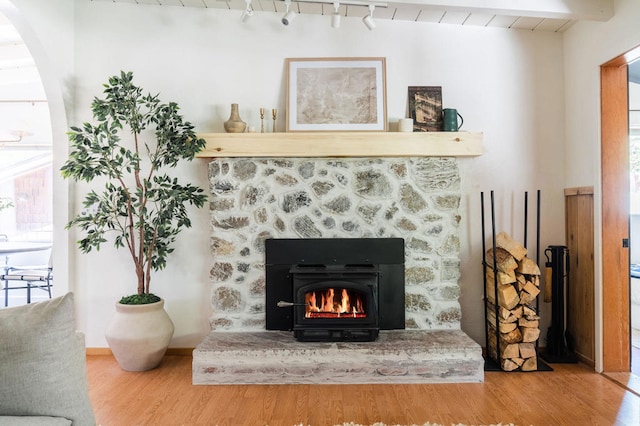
column 503, row 277
column 529, row 334
column 528, row 266
column 532, row 289
column 516, row 312
column 514, row 336
column 508, row 297
column 504, row 327
column 527, row 350
column 521, row 280
column 515, row 248
column 504, row 261
column 509, row 365
column 530, row 364
column 518, row 361
column 526, row 298
column 511, row 351
column 507, row 327
column 523, row 322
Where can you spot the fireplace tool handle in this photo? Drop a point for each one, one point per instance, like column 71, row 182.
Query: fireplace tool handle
column 283, row 304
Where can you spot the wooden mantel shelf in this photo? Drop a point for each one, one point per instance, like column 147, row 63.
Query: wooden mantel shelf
column 342, row 144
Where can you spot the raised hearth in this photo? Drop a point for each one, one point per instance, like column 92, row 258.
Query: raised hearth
column 397, row 356
column 257, row 199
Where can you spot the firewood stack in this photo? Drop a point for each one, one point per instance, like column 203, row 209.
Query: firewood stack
column 518, row 285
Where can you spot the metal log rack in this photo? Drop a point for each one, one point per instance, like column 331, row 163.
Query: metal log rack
column 490, row 363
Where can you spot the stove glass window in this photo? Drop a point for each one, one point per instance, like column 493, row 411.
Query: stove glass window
column 335, row 303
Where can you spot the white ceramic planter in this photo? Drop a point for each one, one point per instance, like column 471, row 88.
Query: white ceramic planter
column 139, row 335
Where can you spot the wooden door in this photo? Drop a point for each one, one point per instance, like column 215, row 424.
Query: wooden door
column 581, row 284
column 616, row 346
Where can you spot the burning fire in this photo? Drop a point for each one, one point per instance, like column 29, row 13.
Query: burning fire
column 334, row 303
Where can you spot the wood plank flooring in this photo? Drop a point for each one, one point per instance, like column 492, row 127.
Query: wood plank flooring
column 570, row 395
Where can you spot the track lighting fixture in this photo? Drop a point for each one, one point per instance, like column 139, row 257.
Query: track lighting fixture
column 248, row 12
column 290, row 15
column 368, row 20
column 335, row 17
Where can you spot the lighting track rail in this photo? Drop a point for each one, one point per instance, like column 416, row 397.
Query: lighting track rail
column 290, row 13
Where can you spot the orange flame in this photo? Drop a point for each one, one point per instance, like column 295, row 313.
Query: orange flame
column 334, row 303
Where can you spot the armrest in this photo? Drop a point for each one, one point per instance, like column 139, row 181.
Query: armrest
column 28, row 268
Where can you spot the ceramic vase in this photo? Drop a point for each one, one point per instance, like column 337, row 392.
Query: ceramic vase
column 235, row 124
column 139, row 335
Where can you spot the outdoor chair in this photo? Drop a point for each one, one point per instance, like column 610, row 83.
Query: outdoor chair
column 27, row 277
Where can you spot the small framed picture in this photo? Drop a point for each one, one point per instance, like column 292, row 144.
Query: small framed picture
column 425, row 107
column 336, row 94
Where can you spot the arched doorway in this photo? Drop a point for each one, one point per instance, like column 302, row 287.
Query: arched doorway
column 50, row 99
column 25, row 143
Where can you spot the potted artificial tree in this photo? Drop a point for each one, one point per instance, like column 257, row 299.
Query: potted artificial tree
column 135, row 141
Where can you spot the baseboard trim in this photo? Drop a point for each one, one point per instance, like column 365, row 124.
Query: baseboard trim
column 98, row 351
column 170, row 351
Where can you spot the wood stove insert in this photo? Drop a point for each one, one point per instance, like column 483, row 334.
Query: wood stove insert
column 335, row 289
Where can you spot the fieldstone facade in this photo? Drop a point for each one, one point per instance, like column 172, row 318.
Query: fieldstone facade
column 253, row 199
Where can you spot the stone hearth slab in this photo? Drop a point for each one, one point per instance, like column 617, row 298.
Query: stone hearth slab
column 397, row 356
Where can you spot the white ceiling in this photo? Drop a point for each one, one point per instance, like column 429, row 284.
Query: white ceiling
column 534, row 15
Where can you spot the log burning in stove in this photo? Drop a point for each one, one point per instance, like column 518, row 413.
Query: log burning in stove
column 335, row 289
column 334, row 303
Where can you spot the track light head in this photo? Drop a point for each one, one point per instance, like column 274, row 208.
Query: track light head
column 368, row 20
column 248, row 12
column 335, row 20
column 290, row 15
column 335, row 17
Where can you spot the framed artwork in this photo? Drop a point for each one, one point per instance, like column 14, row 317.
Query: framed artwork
column 336, row 94
column 425, row 107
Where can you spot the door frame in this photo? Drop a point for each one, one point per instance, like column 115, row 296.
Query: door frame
column 614, row 155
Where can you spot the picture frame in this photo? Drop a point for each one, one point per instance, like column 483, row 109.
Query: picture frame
column 336, row 94
column 425, row 108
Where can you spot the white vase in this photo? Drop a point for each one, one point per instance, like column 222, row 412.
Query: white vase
column 139, row 335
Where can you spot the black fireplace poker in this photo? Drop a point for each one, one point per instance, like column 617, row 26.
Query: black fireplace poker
column 559, row 341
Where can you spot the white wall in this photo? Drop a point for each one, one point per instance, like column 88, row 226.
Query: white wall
column 587, row 46
column 506, row 83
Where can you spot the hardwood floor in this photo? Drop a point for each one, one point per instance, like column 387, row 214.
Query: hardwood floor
column 570, row 395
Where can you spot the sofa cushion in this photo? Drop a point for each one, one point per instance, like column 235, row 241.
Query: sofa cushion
column 33, row 421
column 43, row 367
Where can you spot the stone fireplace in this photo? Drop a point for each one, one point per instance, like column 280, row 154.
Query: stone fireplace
column 411, row 198
column 415, row 199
